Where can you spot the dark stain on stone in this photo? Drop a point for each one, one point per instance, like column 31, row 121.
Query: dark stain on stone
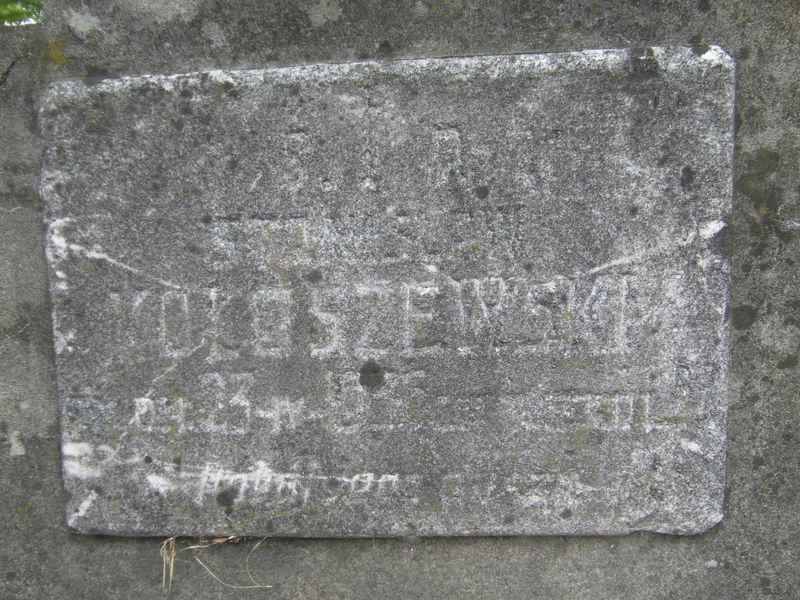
column 704, row 6
column 371, row 375
column 766, row 161
column 699, row 49
column 743, row 54
column 687, row 178
column 314, row 276
column 566, row 513
column 95, row 74
column 722, row 241
column 206, row 219
column 743, row 316
column 762, row 189
column 232, row 164
column 644, row 65
column 148, row 459
column 231, row 90
column 758, row 249
column 385, row 49
column 226, row 498
column 482, row 192
column 19, row 328
column 790, row 362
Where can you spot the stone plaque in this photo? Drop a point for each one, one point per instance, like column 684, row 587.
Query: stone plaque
column 426, row 297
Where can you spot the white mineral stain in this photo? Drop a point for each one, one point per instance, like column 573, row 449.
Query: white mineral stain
column 142, row 407
column 213, row 32
column 691, row 446
column 17, row 447
column 83, row 23
column 324, row 11
column 80, row 470
column 76, row 449
column 86, row 504
column 716, row 56
column 255, row 182
column 159, row 483
column 617, row 262
column 711, row 228
column 62, row 341
column 59, row 249
column 57, row 244
column 77, row 456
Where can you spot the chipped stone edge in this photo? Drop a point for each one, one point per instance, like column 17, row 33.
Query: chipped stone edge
column 670, row 58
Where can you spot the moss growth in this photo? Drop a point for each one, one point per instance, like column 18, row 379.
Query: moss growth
column 54, row 51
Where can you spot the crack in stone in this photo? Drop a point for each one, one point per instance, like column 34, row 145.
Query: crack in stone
column 6, row 72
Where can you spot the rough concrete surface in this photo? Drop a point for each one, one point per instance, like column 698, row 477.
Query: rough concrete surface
column 417, row 297
column 752, row 553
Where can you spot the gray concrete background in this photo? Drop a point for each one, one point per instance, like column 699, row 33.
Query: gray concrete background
column 752, row 554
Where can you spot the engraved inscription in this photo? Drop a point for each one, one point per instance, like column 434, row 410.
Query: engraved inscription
column 423, row 297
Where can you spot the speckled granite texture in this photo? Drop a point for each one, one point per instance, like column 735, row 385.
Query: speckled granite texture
column 427, row 297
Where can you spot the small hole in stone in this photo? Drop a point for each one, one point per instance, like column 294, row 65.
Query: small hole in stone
column 371, row 375
column 314, row 276
column 227, row 497
column 482, row 192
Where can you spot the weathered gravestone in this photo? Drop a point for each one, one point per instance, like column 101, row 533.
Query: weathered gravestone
column 449, row 296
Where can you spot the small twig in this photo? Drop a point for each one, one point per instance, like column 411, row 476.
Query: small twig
column 247, row 562
column 168, row 553
column 230, row 585
column 233, row 539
